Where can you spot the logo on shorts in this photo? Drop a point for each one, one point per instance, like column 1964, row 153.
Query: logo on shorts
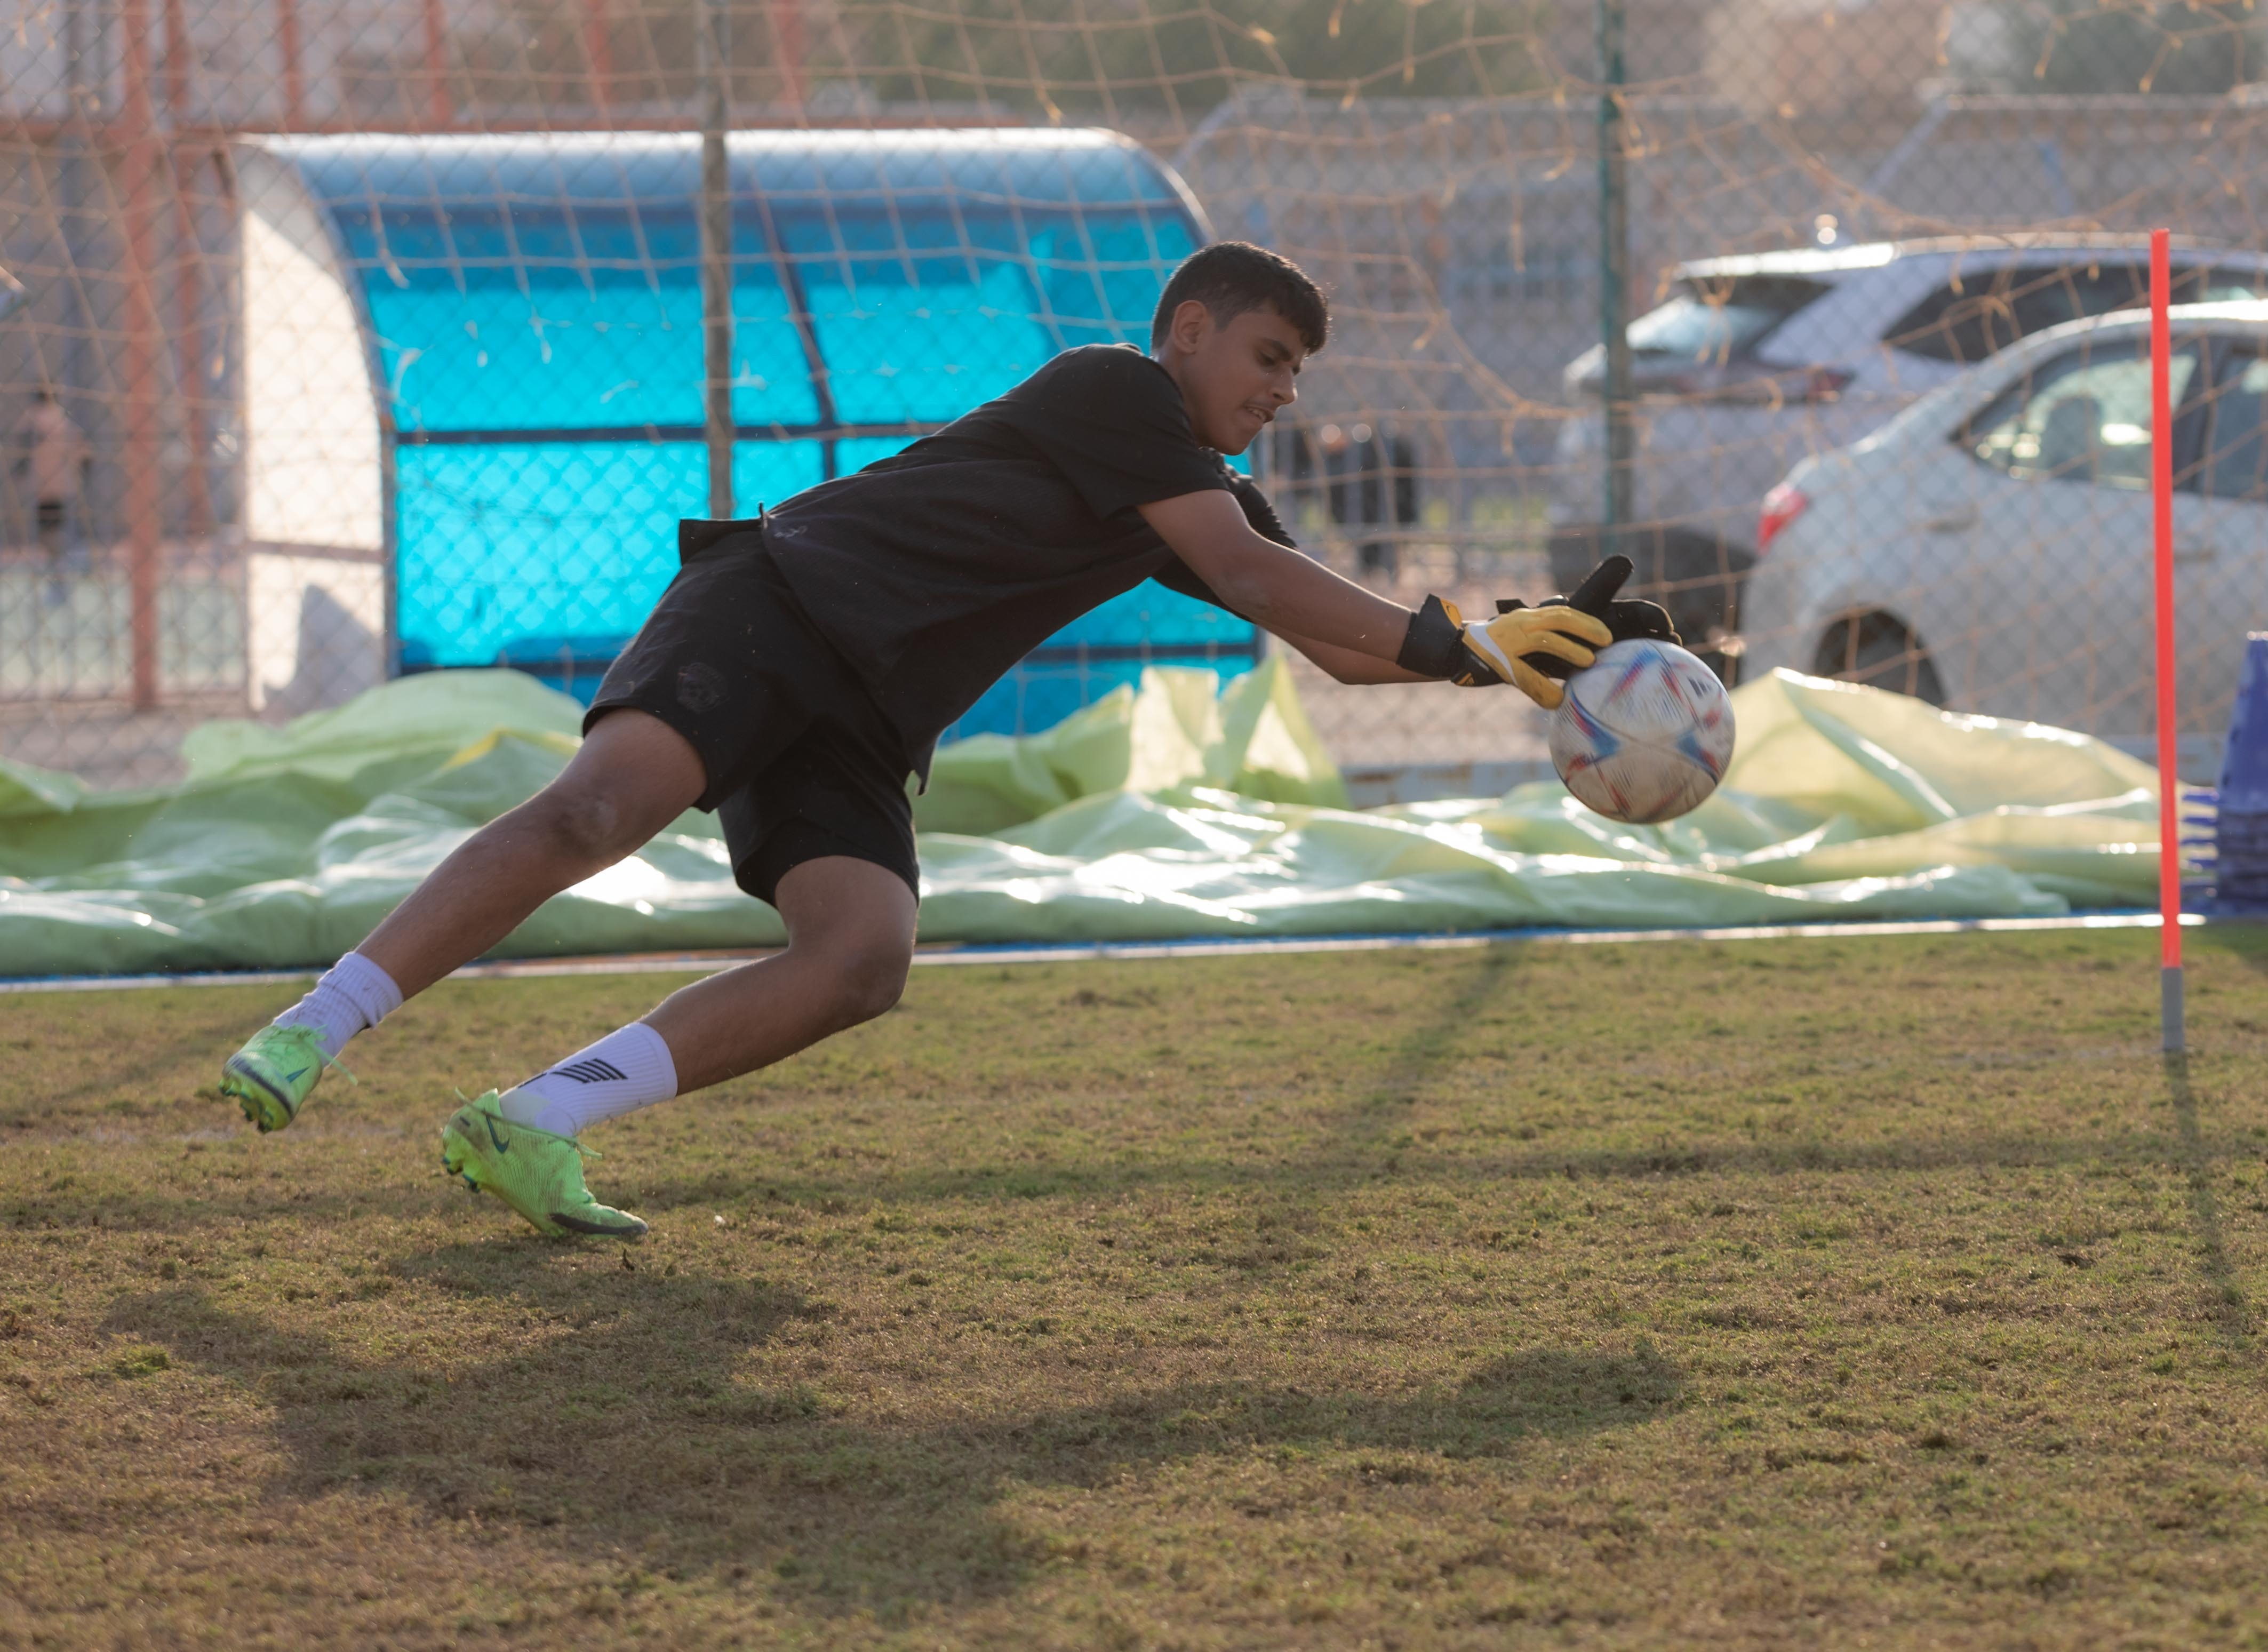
column 700, row 687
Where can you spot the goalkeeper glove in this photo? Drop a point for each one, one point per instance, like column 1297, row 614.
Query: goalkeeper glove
column 1596, row 596
column 1535, row 649
column 1509, row 648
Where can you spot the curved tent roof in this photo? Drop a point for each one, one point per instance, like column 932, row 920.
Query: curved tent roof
column 532, row 306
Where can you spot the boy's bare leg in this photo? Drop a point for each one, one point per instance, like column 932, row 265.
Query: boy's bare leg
column 633, row 775
column 851, row 938
column 850, row 928
column 630, row 778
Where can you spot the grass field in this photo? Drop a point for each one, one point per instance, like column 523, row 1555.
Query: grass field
column 1862, row 1293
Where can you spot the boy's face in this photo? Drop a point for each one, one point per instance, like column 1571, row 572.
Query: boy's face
column 1234, row 375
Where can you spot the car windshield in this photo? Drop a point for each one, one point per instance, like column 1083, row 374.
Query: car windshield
column 1715, row 318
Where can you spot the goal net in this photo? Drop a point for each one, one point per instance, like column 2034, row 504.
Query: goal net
column 346, row 338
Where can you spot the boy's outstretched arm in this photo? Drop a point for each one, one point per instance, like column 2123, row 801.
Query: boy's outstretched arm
column 1274, row 586
column 1352, row 634
column 1346, row 665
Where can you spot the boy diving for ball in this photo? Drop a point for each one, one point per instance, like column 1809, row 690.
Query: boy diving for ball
column 802, row 664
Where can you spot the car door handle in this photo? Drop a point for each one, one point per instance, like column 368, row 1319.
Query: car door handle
column 2196, row 553
column 1954, row 521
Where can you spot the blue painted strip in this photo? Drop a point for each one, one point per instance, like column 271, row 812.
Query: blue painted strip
column 1201, row 946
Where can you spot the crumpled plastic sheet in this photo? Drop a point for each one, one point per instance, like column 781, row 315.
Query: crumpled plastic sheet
column 1181, row 810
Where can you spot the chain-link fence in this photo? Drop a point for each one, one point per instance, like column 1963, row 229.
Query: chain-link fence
column 343, row 338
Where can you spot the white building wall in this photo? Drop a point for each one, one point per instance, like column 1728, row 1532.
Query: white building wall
column 314, row 495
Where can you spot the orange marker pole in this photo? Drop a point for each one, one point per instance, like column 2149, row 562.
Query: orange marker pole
column 2169, row 783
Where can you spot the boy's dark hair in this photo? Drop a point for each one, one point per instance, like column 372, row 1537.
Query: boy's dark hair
column 1231, row 277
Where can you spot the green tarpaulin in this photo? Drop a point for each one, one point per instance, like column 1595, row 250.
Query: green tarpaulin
column 1171, row 811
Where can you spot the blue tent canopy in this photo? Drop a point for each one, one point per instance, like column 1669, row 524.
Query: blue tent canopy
column 533, row 307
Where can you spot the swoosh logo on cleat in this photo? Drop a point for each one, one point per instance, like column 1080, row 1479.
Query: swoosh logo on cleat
column 293, row 1078
column 632, row 1227
column 250, row 1077
column 497, row 1141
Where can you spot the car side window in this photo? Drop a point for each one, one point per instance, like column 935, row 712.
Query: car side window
column 2047, row 297
column 2235, row 460
column 2082, row 416
column 1984, row 311
column 1955, row 323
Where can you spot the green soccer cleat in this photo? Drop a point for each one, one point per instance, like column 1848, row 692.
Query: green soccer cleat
column 538, row 1174
column 271, row 1076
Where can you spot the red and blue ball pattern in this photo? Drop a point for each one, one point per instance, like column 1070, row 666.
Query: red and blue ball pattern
column 1645, row 733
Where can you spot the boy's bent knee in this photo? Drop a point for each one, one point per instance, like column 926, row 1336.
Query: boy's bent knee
column 633, row 775
column 584, row 823
column 867, row 977
column 851, row 922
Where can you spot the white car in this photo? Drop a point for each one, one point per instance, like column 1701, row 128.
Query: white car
column 1754, row 363
column 1991, row 548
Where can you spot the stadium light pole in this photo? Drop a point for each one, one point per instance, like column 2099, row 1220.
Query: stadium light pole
column 716, row 67
column 2169, row 779
column 1614, row 274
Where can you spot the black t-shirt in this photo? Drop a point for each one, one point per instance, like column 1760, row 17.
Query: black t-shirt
column 935, row 571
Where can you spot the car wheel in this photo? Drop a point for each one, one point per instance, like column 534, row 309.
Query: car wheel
column 1881, row 651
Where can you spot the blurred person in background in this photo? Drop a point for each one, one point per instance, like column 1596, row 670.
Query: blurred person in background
column 1362, row 474
column 53, row 457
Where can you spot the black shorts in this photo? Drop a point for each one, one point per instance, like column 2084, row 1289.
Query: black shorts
column 801, row 763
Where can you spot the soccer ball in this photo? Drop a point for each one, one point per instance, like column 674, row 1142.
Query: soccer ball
column 1645, row 733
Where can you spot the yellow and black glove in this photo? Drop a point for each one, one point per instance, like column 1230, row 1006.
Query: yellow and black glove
column 1596, row 596
column 1515, row 646
column 1535, row 649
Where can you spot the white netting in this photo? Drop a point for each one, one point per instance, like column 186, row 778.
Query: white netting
column 347, row 339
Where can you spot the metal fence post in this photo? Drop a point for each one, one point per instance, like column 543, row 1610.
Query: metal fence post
column 716, row 66
column 787, row 47
column 440, row 111
column 295, row 74
column 1613, row 273
column 143, row 338
column 599, row 56
column 76, row 191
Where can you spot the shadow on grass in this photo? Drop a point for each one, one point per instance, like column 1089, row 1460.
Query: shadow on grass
column 1428, row 1047
column 1358, row 1144
column 1357, row 1167
column 625, row 1432
column 225, row 1204
column 1358, row 1147
column 2196, row 1161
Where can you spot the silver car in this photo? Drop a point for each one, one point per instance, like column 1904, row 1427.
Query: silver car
column 1991, row 548
column 1755, row 362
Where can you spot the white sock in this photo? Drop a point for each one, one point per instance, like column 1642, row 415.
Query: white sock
column 353, row 994
column 627, row 1069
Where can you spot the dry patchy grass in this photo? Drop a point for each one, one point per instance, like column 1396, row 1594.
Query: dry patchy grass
column 1881, row 1293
